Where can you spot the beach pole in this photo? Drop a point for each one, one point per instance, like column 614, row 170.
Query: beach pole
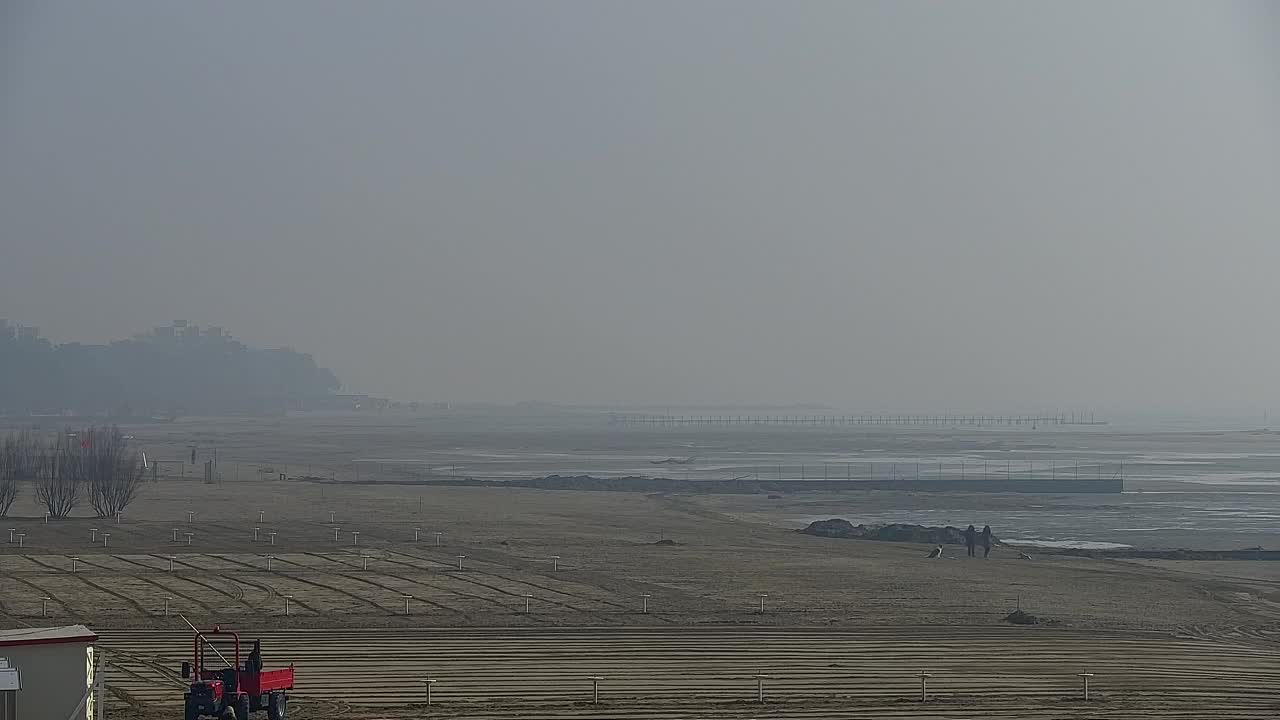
column 595, row 688
column 1084, row 677
column 760, row 688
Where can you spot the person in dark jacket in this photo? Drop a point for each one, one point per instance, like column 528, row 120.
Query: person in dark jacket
column 970, row 539
column 254, row 663
column 986, row 540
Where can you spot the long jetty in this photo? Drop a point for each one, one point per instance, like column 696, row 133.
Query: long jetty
column 643, row 419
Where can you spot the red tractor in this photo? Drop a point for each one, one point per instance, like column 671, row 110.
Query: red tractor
column 230, row 685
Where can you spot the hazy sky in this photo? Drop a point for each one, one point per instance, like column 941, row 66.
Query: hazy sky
column 879, row 205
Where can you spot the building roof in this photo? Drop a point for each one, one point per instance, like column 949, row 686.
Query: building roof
column 47, row 636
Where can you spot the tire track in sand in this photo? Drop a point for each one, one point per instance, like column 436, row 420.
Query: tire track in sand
column 594, row 613
column 298, row 579
column 205, row 607
column 119, row 596
column 346, row 574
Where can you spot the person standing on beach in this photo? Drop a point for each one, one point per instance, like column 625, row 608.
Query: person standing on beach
column 986, row 540
column 971, row 539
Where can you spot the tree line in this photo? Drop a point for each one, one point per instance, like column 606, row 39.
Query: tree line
column 97, row 464
column 149, row 376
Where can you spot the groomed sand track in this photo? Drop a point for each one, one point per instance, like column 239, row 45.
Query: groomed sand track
column 696, row 672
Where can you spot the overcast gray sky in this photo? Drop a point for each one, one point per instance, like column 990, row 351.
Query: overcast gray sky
column 879, row 205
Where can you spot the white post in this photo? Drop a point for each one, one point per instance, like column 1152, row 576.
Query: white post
column 416, row 532
column 330, row 517
column 760, row 688
column 73, row 563
column 255, row 534
column 429, row 682
column 44, row 606
column 191, row 516
column 273, row 537
column 355, row 537
column 595, row 689
column 260, row 514
column 438, row 534
column 644, row 603
column 46, row 517
column 189, row 536
column 171, row 559
column 762, row 597
column 555, row 563
column 335, row 534
column 93, row 535
column 527, row 600
column 175, row 535
column 460, row 557
column 407, row 598
column 167, row 598
column 1085, row 677
column 364, row 562
column 23, row 535
column 14, row 530
column 118, row 514
column 287, row 598
column 270, row 559
column 924, row 685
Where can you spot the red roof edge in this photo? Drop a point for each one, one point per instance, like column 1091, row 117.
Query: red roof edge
column 90, row 638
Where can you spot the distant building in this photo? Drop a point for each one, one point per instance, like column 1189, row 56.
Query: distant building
column 353, row 402
column 189, row 332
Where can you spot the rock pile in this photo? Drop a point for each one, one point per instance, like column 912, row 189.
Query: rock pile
column 1018, row 617
column 896, row 532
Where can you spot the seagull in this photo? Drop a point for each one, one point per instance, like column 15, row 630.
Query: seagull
column 937, row 553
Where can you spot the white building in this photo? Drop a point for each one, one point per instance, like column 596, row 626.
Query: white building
column 55, row 668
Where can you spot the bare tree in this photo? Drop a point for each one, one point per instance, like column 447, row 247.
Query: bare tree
column 58, row 475
column 110, row 468
column 19, row 459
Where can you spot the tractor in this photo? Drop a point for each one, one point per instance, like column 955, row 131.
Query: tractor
column 219, row 684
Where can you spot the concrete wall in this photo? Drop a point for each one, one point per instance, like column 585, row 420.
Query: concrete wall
column 54, row 677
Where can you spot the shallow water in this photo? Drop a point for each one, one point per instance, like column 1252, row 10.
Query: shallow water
column 1195, row 484
column 1209, row 520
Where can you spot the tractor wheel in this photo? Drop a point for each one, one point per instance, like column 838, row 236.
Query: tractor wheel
column 191, row 713
column 242, row 707
column 277, row 706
